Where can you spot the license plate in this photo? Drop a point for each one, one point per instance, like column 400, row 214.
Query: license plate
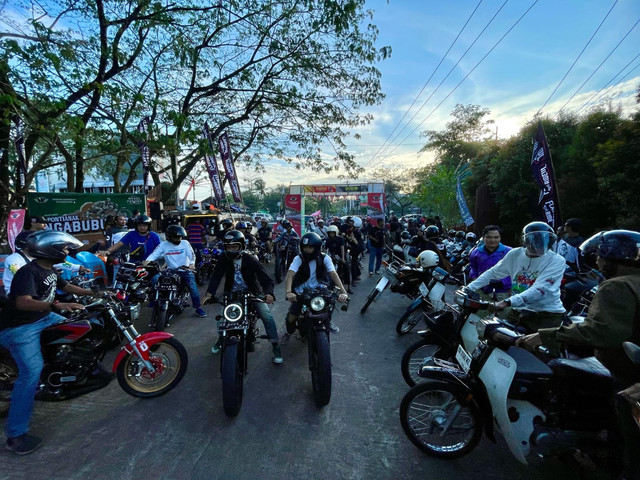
column 424, row 290
column 463, row 358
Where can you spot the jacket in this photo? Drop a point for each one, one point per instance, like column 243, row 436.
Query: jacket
column 480, row 261
column 253, row 274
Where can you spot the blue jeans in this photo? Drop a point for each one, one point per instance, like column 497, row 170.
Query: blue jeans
column 262, row 309
column 375, row 253
column 189, row 279
column 24, row 344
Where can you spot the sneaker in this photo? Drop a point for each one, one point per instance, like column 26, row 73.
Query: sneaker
column 377, row 272
column 217, row 346
column 370, row 274
column 23, row 444
column 284, row 339
column 277, row 354
column 200, row 312
column 333, row 328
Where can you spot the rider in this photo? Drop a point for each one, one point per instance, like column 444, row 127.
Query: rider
column 335, row 245
column 265, row 234
column 177, row 252
column 31, row 309
column 536, row 273
column 250, row 240
column 320, row 229
column 289, row 234
column 141, row 241
column 244, row 272
column 310, row 269
column 613, row 318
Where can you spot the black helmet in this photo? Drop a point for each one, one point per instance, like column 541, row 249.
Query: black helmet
column 50, row 244
column 240, row 225
column 233, row 237
column 21, row 239
column 286, row 224
column 311, row 240
column 460, row 235
column 226, row 223
column 451, row 233
column 537, row 238
column 615, row 245
column 175, row 234
column 431, row 231
column 471, row 237
column 143, row 219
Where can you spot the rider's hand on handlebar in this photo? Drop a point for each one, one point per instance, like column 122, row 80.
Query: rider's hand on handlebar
column 269, row 299
column 343, row 297
column 529, row 342
column 497, row 307
column 291, row 297
column 68, row 307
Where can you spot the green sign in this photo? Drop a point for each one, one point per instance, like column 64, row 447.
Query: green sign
column 83, row 213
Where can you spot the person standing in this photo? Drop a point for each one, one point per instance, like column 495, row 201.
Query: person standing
column 196, row 235
column 141, row 241
column 376, row 246
column 486, row 256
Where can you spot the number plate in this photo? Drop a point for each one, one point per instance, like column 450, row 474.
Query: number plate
column 424, row 290
column 463, row 358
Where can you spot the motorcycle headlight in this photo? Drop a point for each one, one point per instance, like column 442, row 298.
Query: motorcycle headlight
column 232, row 312
column 317, row 304
column 439, row 274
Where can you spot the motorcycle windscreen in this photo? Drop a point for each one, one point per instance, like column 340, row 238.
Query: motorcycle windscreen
column 65, row 333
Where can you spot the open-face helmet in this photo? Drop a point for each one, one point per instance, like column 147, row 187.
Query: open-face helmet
column 428, row 258
column 537, row 238
column 175, row 234
column 615, row 245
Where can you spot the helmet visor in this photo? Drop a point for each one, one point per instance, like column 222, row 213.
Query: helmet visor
column 537, row 243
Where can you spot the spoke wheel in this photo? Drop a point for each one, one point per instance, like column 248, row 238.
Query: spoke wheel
column 435, row 420
column 419, row 353
column 372, row 296
column 408, row 321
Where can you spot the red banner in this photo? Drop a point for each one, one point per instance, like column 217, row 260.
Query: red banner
column 320, row 189
column 15, row 222
column 376, row 200
column 229, row 167
column 292, row 208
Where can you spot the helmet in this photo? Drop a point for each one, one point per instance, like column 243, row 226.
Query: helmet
column 143, row 219
column 21, row 239
column 263, row 220
column 451, row 233
column 233, row 237
column 431, row 231
column 320, row 221
column 313, row 240
column 249, row 224
column 615, row 245
column 471, row 237
column 195, row 207
column 226, row 223
column 175, row 234
column 49, row 244
column 537, row 238
column 405, row 237
column 428, row 258
column 240, row 225
column 332, row 228
column 460, row 235
column 286, row 224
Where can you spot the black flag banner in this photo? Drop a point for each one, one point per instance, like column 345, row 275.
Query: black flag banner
column 143, row 128
column 542, row 169
column 22, row 160
column 229, row 167
column 212, row 168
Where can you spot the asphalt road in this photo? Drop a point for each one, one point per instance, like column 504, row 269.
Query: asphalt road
column 278, row 434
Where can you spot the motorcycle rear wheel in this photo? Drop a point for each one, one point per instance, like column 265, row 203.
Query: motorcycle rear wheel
column 202, row 273
column 280, row 269
column 8, row 375
column 415, row 356
column 320, row 366
column 437, row 423
column 160, row 318
column 409, row 320
column 232, row 379
column 170, row 359
column 372, row 296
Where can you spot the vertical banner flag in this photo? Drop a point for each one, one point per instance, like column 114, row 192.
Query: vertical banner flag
column 375, row 204
column 212, row 168
column 15, row 222
column 143, row 128
column 22, row 161
column 229, row 167
column 542, row 169
column 292, row 208
column 462, row 205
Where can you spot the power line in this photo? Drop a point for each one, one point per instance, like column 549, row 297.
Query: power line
column 467, row 75
column 598, row 67
column 428, row 80
column 577, row 58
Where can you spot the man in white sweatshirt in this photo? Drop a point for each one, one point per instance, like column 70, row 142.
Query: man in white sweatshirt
column 177, row 252
column 536, row 273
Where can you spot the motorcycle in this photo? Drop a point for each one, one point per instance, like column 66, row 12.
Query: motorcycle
column 263, row 255
column 171, row 297
column 238, row 333
column 633, row 352
column 285, row 251
column 554, row 408
column 208, row 260
column 313, row 324
column 133, row 281
column 574, row 286
column 147, row 365
column 400, row 278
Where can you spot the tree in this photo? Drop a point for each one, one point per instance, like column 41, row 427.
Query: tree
column 399, row 184
column 435, row 192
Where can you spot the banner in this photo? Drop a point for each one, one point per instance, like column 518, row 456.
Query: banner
column 212, row 168
column 462, row 205
column 15, row 222
column 21, row 170
column 143, row 128
column 319, row 189
column 352, row 188
column 292, row 209
column 542, row 169
column 229, row 167
column 376, row 200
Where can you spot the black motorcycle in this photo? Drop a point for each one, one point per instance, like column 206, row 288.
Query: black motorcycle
column 133, row 281
column 171, row 297
column 400, row 278
column 147, row 366
column 263, row 254
column 285, row 251
column 238, row 333
column 208, row 260
column 313, row 324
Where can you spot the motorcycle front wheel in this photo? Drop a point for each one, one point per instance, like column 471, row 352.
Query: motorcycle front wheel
column 169, row 357
column 418, row 353
column 232, row 379
column 408, row 320
column 372, row 296
column 160, row 318
column 280, row 269
column 320, row 366
column 436, row 421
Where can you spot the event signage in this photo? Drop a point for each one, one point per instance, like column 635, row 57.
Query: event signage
column 229, row 167
column 542, row 169
column 15, row 222
column 143, row 127
column 352, row 188
column 22, row 160
column 462, row 205
column 212, row 168
column 293, row 208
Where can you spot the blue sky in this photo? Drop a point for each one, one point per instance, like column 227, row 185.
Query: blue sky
column 513, row 81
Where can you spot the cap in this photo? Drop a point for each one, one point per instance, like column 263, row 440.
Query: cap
column 38, row 219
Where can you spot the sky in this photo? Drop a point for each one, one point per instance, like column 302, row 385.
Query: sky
column 516, row 77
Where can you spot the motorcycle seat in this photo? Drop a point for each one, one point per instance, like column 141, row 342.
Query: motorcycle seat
column 581, row 370
column 528, row 365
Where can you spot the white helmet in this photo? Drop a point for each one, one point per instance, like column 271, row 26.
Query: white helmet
column 332, row 228
column 428, row 258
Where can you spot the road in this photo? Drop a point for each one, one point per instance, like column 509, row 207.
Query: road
column 278, row 434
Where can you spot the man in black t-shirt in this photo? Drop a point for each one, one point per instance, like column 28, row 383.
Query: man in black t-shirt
column 265, row 234
column 32, row 308
column 376, row 246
